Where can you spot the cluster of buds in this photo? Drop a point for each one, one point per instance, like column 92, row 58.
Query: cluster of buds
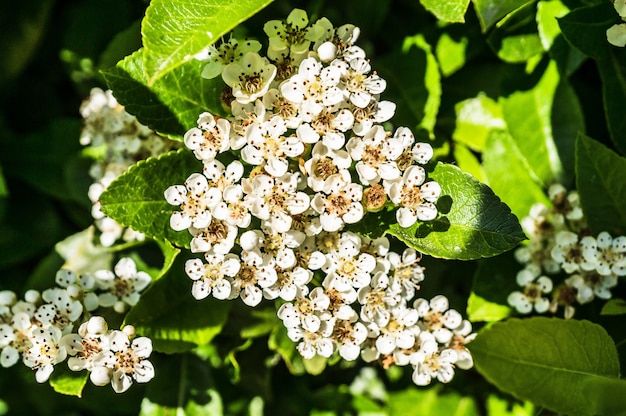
column 302, row 158
column 116, row 140
column 39, row 328
column 560, row 244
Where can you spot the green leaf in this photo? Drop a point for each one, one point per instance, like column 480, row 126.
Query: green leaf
column 528, row 117
column 600, row 174
column 70, row 383
column 491, row 11
column 450, row 54
column 585, row 28
column 169, row 255
column 135, row 199
column 468, row 162
column 473, row 222
column 551, row 362
column 279, row 341
column 497, row 406
column 614, row 307
column 172, row 318
column 510, row 176
column 452, row 11
column 414, row 84
column 171, row 105
column 515, row 38
column 606, row 396
column 175, row 31
column 4, row 191
column 475, row 119
column 432, row 401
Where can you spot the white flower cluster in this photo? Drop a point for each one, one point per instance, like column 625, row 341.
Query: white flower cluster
column 616, row 34
column 117, row 140
column 39, row 328
column 304, row 155
column 560, row 243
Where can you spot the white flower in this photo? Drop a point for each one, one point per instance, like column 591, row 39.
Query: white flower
column 257, row 272
column 249, row 78
column 606, row 253
column 60, row 310
column 210, row 138
column 616, row 34
column 122, row 285
column 400, row 331
column 196, row 199
column 569, row 253
column 323, row 163
column 406, row 273
column 218, row 237
column 339, row 202
column 375, row 154
column 375, row 112
column 214, row 276
column 127, row 361
column 15, row 338
column 86, row 346
column 429, row 362
column 45, row 352
column 534, row 287
column 288, row 38
column 361, row 88
column 232, row 209
column 416, row 198
column 226, row 53
column 347, row 267
column 349, row 336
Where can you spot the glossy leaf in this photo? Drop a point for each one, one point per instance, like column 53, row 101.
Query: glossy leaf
column 135, row 199
column 473, row 222
column 171, row 105
column 172, row 318
column 515, row 38
column 600, row 174
column 70, row 383
column 452, row 11
column 491, row 11
column 175, row 31
column 551, row 362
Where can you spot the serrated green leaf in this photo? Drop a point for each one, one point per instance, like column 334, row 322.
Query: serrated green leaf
column 528, row 117
column 135, row 199
column 491, row 11
column 473, row 222
column 614, row 307
column 414, row 84
column 547, row 361
column 475, row 119
column 447, row 11
column 600, row 174
column 175, row 31
column 70, row 383
column 510, row 176
column 172, row 318
column 171, row 105
column 585, row 28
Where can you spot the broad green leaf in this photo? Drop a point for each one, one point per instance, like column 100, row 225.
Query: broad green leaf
column 567, row 57
column 414, row 84
column 528, row 117
column 450, row 54
column 172, row 318
column 600, row 174
column 491, row 11
column 135, row 199
column 567, row 122
column 70, row 383
column 515, row 38
column 493, row 281
column 585, row 28
column 548, row 361
column 606, row 396
column 475, row 119
column 614, row 307
column 510, row 175
column 452, row 11
column 171, row 105
column 432, row 401
column 473, row 222
column 175, row 31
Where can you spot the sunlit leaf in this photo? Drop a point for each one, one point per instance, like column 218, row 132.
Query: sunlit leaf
column 614, row 307
column 475, row 119
column 491, row 11
column 551, row 362
column 432, row 401
column 473, row 222
column 452, row 11
column 70, row 383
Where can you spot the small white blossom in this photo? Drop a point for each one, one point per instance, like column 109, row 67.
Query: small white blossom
column 249, row 78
